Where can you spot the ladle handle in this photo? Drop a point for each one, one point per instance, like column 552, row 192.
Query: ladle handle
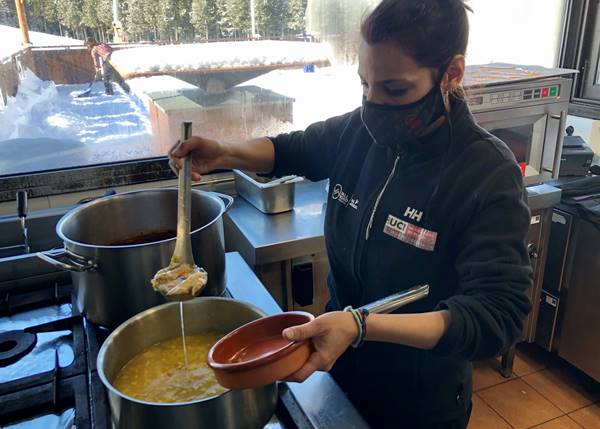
column 183, row 246
column 397, row 300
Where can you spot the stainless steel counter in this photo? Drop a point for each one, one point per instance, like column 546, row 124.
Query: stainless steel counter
column 262, row 239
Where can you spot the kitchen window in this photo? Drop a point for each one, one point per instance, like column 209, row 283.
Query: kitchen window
column 235, row 68
column 55, row 141
column 581, row 51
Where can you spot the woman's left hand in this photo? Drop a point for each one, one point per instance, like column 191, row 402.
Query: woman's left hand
column 331, row 334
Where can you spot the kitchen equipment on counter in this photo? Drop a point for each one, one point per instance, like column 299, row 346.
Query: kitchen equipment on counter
column 256, row 354
column 526, row 107
column 577, row 156
column 268, row 196
column 236, row 409
column 182, row 279
column 113, row 246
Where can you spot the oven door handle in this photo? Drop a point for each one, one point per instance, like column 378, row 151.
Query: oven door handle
column 562, row 119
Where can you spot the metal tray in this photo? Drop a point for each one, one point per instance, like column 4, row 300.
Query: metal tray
column 268, row 196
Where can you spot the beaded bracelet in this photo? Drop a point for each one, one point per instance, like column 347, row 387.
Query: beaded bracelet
column 357, row 318
column 364, row 314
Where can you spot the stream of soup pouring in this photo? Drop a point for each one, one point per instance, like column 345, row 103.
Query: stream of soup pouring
column 185, row 355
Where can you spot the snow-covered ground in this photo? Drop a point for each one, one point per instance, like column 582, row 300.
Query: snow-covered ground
column 11, row 40
column 46, row 127
column 219, row 55
column 328, row 92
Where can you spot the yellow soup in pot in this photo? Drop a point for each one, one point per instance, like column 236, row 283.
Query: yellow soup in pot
column 160, row 374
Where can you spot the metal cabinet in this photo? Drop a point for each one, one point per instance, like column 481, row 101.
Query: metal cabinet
column 556, row 270
column 537, row 245
column 299, row 283
column 580, row 326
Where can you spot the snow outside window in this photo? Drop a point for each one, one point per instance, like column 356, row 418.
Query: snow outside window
column 234, row 72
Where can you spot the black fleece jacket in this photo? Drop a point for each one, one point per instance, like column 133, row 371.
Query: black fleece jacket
column 448, row 210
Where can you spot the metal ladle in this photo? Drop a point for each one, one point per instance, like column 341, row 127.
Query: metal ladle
column 182, row 279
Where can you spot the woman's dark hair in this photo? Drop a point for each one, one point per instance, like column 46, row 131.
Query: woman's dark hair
column 432, row 31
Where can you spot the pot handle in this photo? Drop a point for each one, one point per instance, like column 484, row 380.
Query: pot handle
column 226, row 198
column 397, row 300
column 75, row 263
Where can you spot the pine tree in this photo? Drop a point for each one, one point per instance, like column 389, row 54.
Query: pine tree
column 185, row 20
column 141, row 19
column 213, row 14
column 238, row 17
column 97, row 16
column 198, row 19
column 271, row 17
column 296, row 21
column 7, row 13
column 69, row 15
column 150, row 13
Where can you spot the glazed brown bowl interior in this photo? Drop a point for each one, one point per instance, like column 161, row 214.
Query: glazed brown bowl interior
column 256, row 343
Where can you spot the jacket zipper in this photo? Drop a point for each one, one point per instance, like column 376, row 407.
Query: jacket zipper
column 378, row 200
column 374, row 202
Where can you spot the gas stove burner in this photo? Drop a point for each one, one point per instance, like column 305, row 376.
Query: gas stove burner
column 14, row 345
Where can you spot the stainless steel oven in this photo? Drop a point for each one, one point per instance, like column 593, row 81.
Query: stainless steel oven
column 529, row 116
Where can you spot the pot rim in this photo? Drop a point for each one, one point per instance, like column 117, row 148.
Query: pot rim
column 73, row 212
column 103, row 350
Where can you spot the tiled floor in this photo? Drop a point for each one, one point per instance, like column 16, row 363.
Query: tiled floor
column 544, row 393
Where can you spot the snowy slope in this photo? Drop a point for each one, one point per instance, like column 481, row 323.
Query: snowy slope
column 11, row 40
column 219, row 55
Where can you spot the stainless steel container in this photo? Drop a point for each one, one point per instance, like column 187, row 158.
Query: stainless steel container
column 112, row 282
column 241, row 409
column 269, row 197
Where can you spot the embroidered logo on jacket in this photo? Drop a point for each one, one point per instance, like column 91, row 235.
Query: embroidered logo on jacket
column 410, row 234
column 413, row 214
column 341, row 196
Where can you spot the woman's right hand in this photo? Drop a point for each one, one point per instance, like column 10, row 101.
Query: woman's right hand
column 207, row 155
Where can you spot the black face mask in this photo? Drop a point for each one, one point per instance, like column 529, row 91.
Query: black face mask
column 394, row 125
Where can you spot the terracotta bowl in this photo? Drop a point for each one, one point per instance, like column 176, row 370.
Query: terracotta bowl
column 256, row 354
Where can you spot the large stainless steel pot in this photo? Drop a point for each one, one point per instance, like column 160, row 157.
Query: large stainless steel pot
column 239, row 409
column 112, row 282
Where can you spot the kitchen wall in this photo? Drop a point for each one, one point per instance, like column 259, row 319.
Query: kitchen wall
column 588, row 129
column 515, row 31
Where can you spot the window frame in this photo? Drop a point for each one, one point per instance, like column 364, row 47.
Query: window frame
column 85, row 178
column 581, row 30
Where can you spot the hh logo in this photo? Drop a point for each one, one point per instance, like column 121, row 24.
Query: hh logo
column 413, row 214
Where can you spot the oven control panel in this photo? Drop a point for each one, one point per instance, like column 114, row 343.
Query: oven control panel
column 500, row 99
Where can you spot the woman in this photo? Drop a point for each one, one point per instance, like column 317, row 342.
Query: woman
column 418, row 194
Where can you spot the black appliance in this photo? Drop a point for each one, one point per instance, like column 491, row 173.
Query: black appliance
column 577, row 156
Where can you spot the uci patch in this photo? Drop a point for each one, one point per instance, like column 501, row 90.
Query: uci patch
column 410, row 234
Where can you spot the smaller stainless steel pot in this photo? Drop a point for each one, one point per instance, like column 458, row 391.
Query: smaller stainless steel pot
column 235, row 409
